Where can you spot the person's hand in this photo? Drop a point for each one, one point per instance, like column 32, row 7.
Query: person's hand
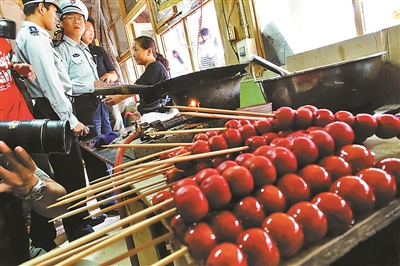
column 110, row 100
column 109, row 78
column 25, row 70
column 80, row 130
column 99, row 83
column 19, row 177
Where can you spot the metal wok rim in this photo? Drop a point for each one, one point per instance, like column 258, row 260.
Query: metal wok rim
column 304, row 71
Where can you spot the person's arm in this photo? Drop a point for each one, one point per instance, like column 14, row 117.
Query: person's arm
column 110, row 100
column 25, row 70
column 21, row 175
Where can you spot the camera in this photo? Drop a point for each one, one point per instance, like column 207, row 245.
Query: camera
column 7, row 29
column 40, row 136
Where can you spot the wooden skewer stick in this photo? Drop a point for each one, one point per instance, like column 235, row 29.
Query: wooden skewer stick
column 191, row 157
column 142, row 159
column 136, row 250
column 90, row 190
column 98, row 233
column 187, row 131
column 130, row 168
column 67, row 254
column 120, row 235
column 221, row 116
column 146, row 145
column 170, row 258
column 128, row 201
column 221, row 111
column 119, row 195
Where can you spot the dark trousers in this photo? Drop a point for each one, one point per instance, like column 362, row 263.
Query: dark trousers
column 85, row 106
column 68, row 168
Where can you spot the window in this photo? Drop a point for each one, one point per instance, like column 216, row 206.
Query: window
column 289, row 27
column 378, row 16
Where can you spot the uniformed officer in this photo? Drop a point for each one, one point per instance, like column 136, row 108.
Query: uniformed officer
column 52, row 91
column 82, row 71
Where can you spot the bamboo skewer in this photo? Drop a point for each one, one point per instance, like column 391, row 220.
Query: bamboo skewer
column 98, row 233
column 191, row 157
column 119, row 195
column 126, row 202
column 170, row 258
column 143, row 159
column 88, row 191
column 221, row 116
column 187, row 131
column 120, row 235
column 67, row 254
column 136, row 250
column 146, row 145
column 221, row 111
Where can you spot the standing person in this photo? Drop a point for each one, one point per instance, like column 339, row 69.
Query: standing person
column 52, row 90
column 13, row 107
column 83, row 73
column 157, row 66
column 106, row 71
column 210, row 56
column 22, row 181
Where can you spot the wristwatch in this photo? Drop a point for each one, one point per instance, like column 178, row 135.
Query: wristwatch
column 37, row 192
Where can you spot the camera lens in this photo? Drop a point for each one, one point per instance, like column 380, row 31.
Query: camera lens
column 41, row 136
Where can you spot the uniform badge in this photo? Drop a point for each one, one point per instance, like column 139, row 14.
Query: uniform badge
column 73, row 2
column 76, row 55
column 33, row 30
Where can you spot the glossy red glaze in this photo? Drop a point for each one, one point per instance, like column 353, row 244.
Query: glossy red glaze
column 247, row 131
column 174, row 174
column 179, row 227
column 271, row 199
column 233, row 137
column 358, row 156
column 204, row 173
column 191, row 203
column 241, row 158
column 262, row 169
column 391, row 166
column 254, row 142
column 324, row 142
column 304, row 118
column 294, row 188
column 356, row 192
column 217, row 143
column 240, row 180
column 217, row 191
column 280, row 142
column 233, row 124
column 304, row 149
column 365, row 126
column 286, row 232
column 225, row 165
column 249, row 212
column 283, row 159
column 259, row 247
column 284, row 118
column 200, row 136
column 341, row 133
column 316, row 177
column 226, row 226
column 200, row 240
column 310, row 107
column 312, row 220
column 336, row 166
column 388, row 126
column 322, row 117
column 382, row 183
column 337, row 211
column 262, row 126
column 345, row 116
column 163, row 196
column 226, row 254
column 270, row 136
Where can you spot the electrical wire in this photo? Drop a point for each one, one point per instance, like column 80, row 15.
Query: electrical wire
column 227, row 28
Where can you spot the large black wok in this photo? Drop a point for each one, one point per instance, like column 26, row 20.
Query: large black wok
column 346, row 85
column 216, row 87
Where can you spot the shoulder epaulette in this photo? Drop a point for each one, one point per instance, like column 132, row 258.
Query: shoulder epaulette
column 33, row 31
column 57, row 43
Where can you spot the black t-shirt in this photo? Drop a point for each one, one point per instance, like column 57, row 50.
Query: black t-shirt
column 154, row 73
column 102, row 60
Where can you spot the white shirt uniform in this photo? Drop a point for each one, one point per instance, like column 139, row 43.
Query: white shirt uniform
column 79, row 63
column 34, row 46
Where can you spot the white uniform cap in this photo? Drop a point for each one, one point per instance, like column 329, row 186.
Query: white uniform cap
column 54, row 2
column 73, row 6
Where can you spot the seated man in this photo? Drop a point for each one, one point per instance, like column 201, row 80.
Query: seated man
column 22, row 181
